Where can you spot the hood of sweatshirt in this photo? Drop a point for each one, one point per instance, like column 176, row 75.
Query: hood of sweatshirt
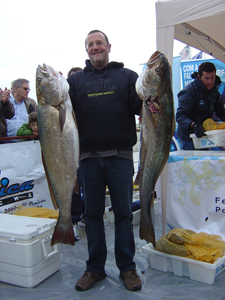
column 112, row 65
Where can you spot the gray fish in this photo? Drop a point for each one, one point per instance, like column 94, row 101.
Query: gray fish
column 59, row 144
column 154, row 87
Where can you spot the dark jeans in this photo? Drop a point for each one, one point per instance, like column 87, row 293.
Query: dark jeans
column 94, row 175
column 76, row 208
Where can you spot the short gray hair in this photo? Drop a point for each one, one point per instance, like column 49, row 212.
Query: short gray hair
column 18, row 82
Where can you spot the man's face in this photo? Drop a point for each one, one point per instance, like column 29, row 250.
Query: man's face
column 97, row 49
column 208, row 79
column 22, row 92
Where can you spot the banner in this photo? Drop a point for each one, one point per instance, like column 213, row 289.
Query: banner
column 195, row 191
column 22, row 177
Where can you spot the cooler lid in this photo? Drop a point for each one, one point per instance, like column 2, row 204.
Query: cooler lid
column 20, row 228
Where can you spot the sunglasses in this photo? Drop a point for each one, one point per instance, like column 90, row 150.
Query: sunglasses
column 26, row 89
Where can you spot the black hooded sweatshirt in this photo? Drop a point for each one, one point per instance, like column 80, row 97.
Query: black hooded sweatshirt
column 105, row 103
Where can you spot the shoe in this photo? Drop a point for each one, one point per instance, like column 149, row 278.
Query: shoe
column 132, row 280
column 76, row 232
column 88, row 280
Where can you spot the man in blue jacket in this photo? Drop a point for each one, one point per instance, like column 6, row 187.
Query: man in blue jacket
column 105, row 103
column 197, row 102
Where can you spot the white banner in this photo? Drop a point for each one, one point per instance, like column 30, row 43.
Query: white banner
column 195, row 191
column 22, row 177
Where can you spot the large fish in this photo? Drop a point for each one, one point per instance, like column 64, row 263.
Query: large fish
column 154, row 87
column 59, row 144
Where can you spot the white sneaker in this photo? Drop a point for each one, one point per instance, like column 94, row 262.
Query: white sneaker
column 76, row 232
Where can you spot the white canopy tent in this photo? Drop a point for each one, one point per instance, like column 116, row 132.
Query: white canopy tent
column 198, row 23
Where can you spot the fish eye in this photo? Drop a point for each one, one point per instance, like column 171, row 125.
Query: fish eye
column 157, row 70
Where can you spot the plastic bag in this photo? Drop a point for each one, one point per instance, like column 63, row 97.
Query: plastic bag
column 38, row 212
column 200, row 246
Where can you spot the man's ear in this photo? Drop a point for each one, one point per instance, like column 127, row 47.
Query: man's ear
column 109, row 46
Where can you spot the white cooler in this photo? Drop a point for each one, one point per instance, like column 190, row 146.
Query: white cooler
column 26, row 255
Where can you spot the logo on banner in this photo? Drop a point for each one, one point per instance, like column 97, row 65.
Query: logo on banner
column 23, row 189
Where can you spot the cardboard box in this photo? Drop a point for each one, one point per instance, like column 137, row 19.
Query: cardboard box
column 26, row 255
column 181, row 266
column 111, row 218
column 214, row 138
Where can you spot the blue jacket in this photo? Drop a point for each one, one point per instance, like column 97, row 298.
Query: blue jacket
column 196, row 104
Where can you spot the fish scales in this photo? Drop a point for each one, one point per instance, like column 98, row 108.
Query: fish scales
column 154, row 87
column 59, row 144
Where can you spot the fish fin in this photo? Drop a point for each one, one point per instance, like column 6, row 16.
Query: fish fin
column 154, row 196
column 163, row 164
column 62, row 116
column 74, row 117
column 168, row 152
column 137, row 179
column 54, row 203
column 149, row 114
column 76, row 187
column 63, row 234
column 146, row 230
column 140, row 119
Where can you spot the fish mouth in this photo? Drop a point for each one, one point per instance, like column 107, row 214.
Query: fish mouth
column 153, row 105
column 44, row 70
column 155, row 57
column 47, row 70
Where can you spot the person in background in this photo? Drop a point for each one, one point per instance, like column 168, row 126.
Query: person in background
column 22, row 104
column 7, row 111
column 105, row 102
column 217, row 79
column 197, row 102
column 74, row 70
column 30, row 128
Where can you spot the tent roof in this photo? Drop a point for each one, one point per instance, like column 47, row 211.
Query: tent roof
column 200, row 24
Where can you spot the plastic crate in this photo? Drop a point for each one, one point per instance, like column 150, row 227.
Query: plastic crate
column 181, row 266
column 214, row 138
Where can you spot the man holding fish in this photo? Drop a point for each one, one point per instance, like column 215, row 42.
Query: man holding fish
column 105, row 103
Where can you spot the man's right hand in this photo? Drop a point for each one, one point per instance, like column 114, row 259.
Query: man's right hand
column 199, row 130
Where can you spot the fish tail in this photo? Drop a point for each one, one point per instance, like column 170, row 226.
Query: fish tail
column 63, row 234
column 147, row 231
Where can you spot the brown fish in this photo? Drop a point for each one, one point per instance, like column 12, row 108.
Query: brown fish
column 154, row 87
column 59, row 144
